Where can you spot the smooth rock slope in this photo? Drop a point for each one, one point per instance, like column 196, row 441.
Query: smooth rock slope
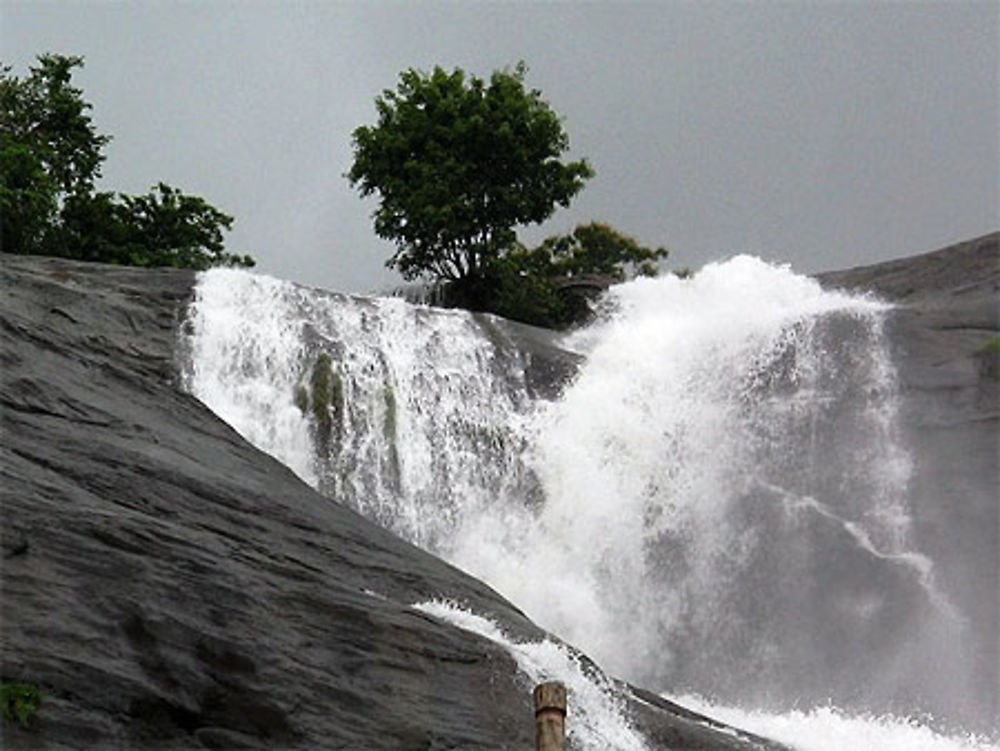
column 946, row 315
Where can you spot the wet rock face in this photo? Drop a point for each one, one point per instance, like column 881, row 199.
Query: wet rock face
column 166, row 585
column 947, row 314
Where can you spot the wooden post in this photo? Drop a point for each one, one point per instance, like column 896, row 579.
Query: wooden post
column 550, row 716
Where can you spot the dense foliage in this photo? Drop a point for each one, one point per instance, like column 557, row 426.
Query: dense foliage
column 591, row 249
column 551, row 285
column 458, row 163
column 50, row 159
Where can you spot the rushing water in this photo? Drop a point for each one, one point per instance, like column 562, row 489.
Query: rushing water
column 718, row 498
column 598, row 706
column 826, row 728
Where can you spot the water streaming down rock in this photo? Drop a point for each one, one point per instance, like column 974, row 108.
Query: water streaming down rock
column 718, row 499
column 598, row 710
column 723, row 483
column 410, row 415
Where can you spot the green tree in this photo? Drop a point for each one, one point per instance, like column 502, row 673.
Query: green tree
column 48, row 115
column 50, row 156
column 457, row 163
column 28, row 199
column 552, row 284
column 594, row 249
column 49, row 150
column 166, row 227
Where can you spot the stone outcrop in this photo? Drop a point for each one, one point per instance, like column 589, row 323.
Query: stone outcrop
column 943, row 332
column 168, row 586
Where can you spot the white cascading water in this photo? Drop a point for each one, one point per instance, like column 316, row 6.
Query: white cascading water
column 424, row 412
column 718, row 498
column 599, row 720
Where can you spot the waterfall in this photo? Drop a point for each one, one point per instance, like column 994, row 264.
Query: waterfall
column 717, row 500
column 412, row 416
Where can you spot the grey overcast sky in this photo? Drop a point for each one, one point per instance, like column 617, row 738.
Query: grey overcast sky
column 820, row 134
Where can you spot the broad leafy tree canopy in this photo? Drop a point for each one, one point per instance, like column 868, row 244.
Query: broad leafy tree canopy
column 50, row 158
column 594, row 249
column 46, row 115
column 552, row 285
column 457, row 163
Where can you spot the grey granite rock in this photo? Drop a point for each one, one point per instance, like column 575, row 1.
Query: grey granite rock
column 947, row 311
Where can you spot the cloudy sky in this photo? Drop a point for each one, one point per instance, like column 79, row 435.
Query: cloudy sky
column 820, row 134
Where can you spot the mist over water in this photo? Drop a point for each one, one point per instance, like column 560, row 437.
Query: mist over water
column 715, row 505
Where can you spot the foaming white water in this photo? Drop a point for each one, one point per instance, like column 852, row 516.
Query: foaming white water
column 246, row 347
column 598, row 720
column 718, row 499
column 830, row 729
column 423, row 419
column 702, row 405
